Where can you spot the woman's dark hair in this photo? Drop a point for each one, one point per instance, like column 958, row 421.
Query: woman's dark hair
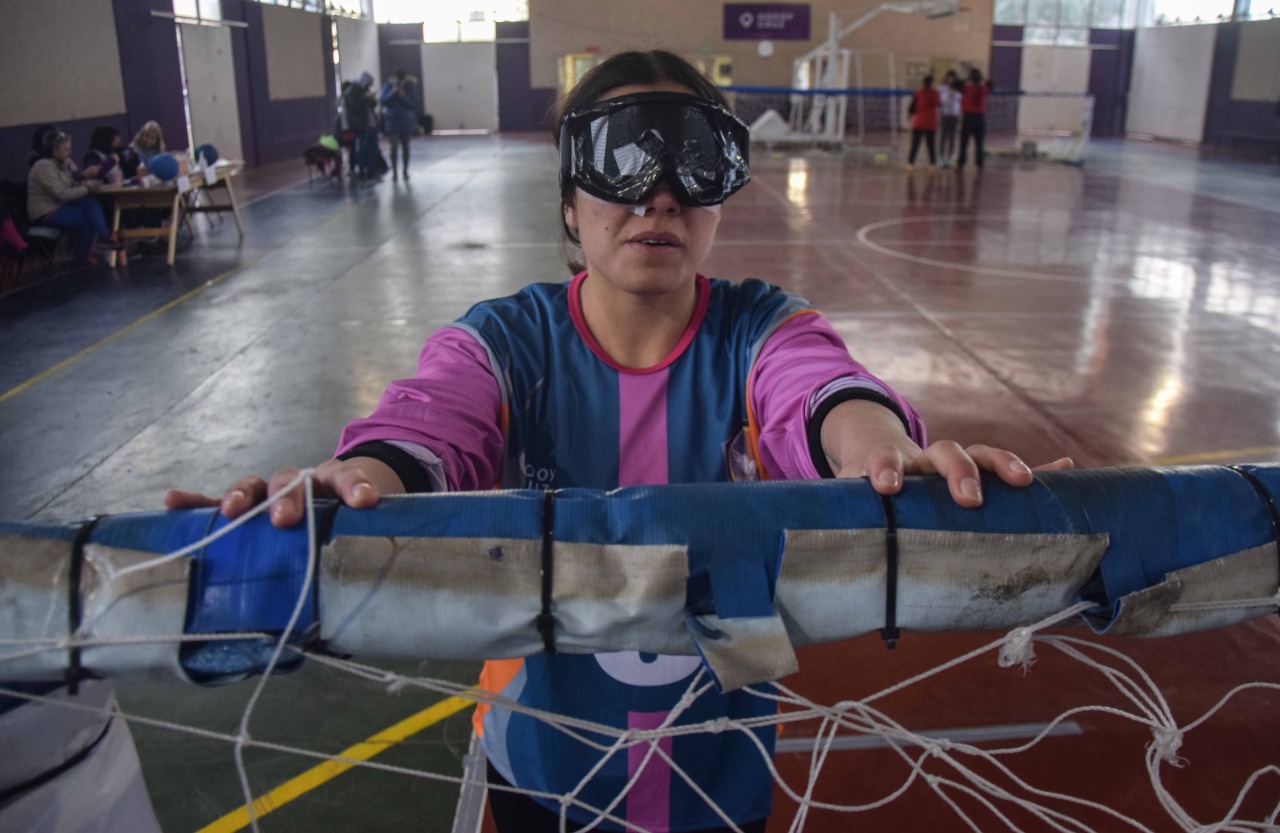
column 37, row 140
column 656, row 66
column 928, row 81
column 975, row 75
column 103, row 139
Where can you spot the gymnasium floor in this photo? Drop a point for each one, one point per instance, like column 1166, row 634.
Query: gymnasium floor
column 1124, row 312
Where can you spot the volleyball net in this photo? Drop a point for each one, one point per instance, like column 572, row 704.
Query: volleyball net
column 1033, row 126
column 734, row 576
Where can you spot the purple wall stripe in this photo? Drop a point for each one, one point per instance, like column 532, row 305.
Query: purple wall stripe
column 1109, row 71
column 521, row 106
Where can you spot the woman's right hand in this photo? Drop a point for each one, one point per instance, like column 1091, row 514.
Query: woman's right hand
column 359, row 483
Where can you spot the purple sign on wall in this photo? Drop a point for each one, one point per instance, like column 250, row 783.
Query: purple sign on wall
column 766, row 21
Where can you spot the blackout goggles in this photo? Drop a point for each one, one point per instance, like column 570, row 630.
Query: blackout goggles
column 621, row 148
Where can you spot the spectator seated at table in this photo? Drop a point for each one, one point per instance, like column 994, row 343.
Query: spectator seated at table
column 107, row 151
column 149, row 143
column 58, row 194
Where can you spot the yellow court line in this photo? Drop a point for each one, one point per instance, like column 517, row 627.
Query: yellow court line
column 70, row 360
column 1270, row 451
column 319, row 774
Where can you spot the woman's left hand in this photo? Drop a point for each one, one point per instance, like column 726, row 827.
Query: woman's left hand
column 861, row 438
column 887, row 466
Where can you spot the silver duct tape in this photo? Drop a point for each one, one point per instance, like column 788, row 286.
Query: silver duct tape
column 832, row 582
column 34, row 590
column 621, row 598
column 150, row 602
column 1250, row 574
column 33, row 604
column 467, row 598
column 446, row 598
column 744, row 651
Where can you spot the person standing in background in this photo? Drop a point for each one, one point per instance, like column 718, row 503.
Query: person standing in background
column 360, row 105
column 973, row 106
column 949, row 108
column 924, row 121
column 398, row 117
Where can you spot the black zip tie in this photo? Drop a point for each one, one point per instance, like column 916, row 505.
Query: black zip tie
column 547, row 622
column 75, row 604
column 890, row 633
column 1268, row 501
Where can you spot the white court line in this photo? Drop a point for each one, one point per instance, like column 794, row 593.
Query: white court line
column 944, row 264
column 971, row 734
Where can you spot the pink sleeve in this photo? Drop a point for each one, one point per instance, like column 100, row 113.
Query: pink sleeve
column 452, row 406
column 800, row 364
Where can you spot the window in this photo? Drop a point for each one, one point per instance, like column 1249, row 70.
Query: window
column 1190, row 11
column 198, row 9
column 1067, row 22
column 442, row 18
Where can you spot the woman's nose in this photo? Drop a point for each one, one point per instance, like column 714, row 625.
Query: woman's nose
column 662, row 200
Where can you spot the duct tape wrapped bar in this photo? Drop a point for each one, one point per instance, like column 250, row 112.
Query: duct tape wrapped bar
column 739, row 574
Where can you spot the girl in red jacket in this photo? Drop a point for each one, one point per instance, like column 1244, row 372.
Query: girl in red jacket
column 924, row 120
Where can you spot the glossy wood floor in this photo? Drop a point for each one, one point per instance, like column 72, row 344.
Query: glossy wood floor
column 1124, row 312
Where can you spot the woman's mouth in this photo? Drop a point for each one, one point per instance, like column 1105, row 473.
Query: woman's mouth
column 656, row 240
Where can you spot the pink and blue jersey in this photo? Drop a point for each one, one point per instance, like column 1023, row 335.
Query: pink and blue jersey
column 518, row 394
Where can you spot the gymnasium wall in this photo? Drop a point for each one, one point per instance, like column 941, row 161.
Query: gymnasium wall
column 358, row 48
column 288, row 71
column 400, row 47
column 45, row 45
column 65, row 66
column 521, row 106
column 83, row 63
column 559, row 27
column 1242, row 116
column 1169, row 92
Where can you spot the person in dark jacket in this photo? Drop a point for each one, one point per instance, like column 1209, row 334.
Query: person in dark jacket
column 973, row 123
column 398, row 121
column 108, row 155
column 359, row 105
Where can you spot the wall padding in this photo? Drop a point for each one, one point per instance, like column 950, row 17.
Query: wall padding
column 61, row 62
column 1172, row 66
column 1257, row 76
column 358, row 50
column 295, row 53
